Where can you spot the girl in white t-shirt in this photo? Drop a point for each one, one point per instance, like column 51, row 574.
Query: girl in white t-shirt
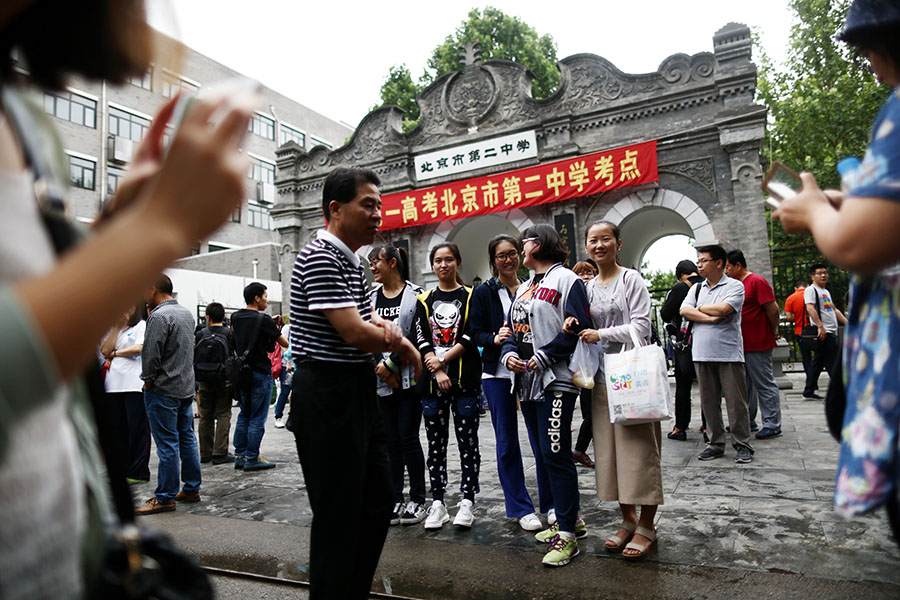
column 122, row 347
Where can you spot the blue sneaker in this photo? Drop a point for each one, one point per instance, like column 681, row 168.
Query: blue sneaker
column 257, row 464
column 767, row 433
column 239, row 463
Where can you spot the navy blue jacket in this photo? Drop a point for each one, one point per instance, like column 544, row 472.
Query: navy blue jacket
column 485, row 319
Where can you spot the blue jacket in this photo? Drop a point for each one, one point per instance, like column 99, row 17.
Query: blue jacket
column 485, row 319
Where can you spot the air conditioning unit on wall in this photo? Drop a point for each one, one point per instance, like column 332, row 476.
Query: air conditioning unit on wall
column 120, row 149
column 265, row 193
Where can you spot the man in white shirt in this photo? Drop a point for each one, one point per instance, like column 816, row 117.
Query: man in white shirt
column 825, row 316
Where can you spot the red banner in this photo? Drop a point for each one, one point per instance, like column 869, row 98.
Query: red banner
column 552, row 182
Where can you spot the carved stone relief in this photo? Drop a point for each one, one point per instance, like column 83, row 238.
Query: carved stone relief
column 700, row 171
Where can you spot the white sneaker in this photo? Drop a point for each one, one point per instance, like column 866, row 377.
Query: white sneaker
column 530, row 522
column 279, row 423
column 437, row 515
column 464, row 518
column 551, row 516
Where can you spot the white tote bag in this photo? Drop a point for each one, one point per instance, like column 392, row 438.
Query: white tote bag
column 637, row 385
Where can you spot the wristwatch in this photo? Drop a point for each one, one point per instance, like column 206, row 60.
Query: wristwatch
column 441, row 358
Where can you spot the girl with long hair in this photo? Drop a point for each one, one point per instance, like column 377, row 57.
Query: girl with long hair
column 395, row 300
column 491, row 302
column 453, row 386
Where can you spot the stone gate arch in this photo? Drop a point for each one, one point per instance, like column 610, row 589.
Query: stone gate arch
column 645, row 217
column 695, row 115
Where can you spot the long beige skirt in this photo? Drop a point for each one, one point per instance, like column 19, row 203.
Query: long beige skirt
column 627, row 457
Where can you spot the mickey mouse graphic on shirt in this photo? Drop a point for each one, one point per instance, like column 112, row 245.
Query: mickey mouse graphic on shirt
column 444, row 321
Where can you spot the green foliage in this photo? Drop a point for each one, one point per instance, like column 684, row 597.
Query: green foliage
column 500, row 37
column 658, row 280
column 400, row 90
column 822, row 103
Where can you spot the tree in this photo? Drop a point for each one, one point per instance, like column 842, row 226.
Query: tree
column 822, row 103
column 499, row 36
column 658, row 280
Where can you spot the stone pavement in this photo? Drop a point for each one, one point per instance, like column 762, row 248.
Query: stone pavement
column 773, row 515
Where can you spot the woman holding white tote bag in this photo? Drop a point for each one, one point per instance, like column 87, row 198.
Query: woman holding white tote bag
column 627, row 456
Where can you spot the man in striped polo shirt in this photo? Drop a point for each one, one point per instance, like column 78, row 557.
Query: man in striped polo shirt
column 335, row 416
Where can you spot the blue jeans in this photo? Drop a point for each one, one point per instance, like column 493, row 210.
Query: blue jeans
column 283, row 396
column 505, row 419
column 171, row 424
column 552, row 421
column 251, row 421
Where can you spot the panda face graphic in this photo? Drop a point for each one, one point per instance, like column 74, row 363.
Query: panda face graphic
column 445, row 318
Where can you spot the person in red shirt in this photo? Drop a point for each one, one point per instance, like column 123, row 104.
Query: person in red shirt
column 795, row 309
column 759, row 328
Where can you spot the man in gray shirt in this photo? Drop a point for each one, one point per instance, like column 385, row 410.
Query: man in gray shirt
column 167, row 362
column 718, row 353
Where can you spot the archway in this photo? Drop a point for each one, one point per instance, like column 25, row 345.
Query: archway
column 472, row 236
column 649, row 215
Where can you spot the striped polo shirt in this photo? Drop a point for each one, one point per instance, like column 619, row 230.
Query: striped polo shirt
column 327, row 275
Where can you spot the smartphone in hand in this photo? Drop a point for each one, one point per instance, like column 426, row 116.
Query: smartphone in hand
column 780, row 183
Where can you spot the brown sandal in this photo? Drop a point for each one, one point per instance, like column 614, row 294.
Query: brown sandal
column 644, row 551
column 619, row 542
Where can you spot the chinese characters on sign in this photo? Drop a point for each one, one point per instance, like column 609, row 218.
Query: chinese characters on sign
column 565, row 227
column 478, row 155
column 552, row 182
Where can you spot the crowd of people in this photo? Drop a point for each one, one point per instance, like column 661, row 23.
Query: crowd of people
column 368, row 367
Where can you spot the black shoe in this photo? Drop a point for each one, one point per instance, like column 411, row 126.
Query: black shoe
column 205, row 459
column 711, row 454
column 813, row 396
column 681, row 436
column 221, row 460
column 744, row 455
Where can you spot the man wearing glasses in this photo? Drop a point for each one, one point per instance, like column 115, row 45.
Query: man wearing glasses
column 718, row 352
column 825, row 316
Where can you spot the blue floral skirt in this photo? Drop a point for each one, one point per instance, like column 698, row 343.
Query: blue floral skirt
column 867, row 472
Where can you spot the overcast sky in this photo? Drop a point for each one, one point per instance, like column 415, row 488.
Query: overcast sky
column 334, row 56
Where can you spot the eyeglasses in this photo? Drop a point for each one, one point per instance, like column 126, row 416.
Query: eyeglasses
column 511, row 255
column 531, row 239
column 703, row 261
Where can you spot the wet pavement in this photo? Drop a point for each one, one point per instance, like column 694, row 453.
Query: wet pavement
column 770, row 518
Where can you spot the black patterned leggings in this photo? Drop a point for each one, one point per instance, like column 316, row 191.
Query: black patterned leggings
column 436, row 414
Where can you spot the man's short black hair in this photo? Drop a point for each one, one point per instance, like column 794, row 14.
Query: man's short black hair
column 815, row 267
column 715, row 251
column 163, row 285
column 252, row 291
column 215, row 312
column 341, row 185
column 736, row 257
column 799, row 284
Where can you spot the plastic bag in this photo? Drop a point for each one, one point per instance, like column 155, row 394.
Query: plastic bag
column 584, row 364
column 637, row 385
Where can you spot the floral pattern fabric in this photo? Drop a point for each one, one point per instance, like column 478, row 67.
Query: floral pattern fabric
column 868, row 469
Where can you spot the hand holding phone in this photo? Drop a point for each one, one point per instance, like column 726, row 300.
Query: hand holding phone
column 780, row 183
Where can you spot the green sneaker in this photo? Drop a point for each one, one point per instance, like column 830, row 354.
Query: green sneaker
column 546, row 536
column 562, row 551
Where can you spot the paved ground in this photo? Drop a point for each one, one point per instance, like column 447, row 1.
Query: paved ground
column 767, row 527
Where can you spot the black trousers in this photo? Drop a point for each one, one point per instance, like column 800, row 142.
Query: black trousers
column 343, row 453
column 586, row 431
column 825, row 356
column 683, row 382
column 135, row 431
column 402, row 414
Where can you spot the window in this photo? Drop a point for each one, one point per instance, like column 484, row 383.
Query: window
column 215, row 248
column 126, row 125
column 262, row 126
column 261, row 170
column 258, row 216
column 113, row 179
column 172, row 84
column 81, row 172
column 286, row 134
column 236, row 215
column 314, row 141
column 142, row 81
column 71, row 107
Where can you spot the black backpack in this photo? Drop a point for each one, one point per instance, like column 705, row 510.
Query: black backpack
column 214, row 360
